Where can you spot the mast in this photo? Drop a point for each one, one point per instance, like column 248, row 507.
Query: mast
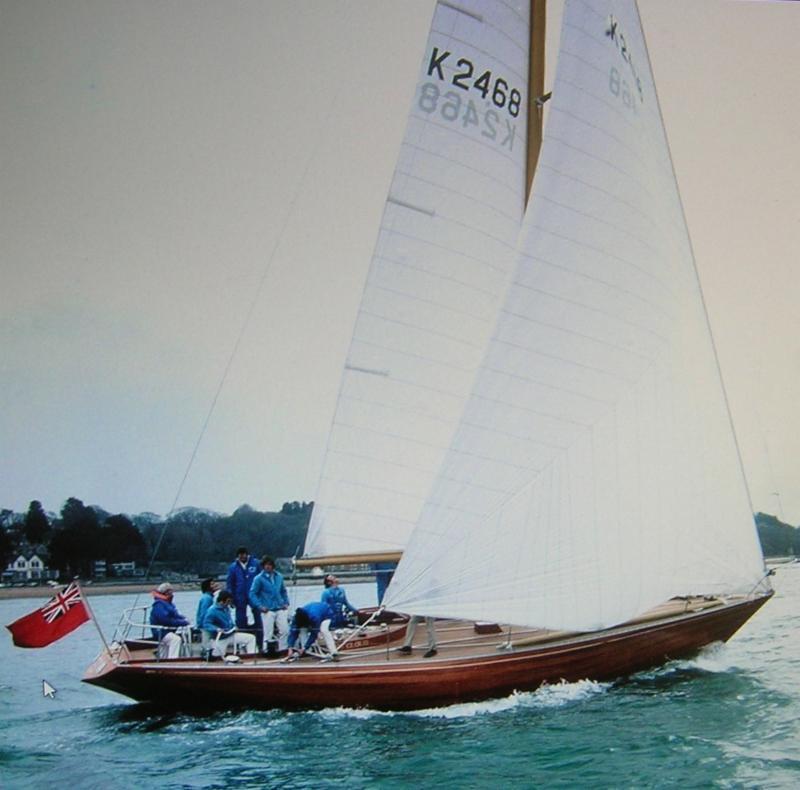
column 536, row 65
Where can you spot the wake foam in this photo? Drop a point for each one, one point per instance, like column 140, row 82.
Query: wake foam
column 563, row 693
column 547, row 696
column 714, row 659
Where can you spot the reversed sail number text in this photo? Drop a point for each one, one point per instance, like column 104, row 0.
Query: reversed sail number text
column 452, row 108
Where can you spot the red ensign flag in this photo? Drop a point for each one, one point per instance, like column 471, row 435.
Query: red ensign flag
column 60, row 615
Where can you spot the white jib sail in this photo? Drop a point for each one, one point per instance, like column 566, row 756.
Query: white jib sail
column 444, row 255
column 594, row 473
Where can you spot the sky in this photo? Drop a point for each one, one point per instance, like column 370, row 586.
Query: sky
column 191, row 195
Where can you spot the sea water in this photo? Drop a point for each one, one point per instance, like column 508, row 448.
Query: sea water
column 729, row 718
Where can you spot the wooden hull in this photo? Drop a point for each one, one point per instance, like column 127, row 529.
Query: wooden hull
column 395, row 683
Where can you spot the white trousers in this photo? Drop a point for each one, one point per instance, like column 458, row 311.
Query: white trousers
column 327, row 637
column 170, row 645
column 275, row 622
column 245, row 643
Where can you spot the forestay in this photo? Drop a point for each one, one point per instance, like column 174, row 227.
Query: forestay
column 443, row 258
column 594, row 472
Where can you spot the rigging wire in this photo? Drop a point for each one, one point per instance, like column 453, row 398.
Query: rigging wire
column 299, row 188
column 234, row 351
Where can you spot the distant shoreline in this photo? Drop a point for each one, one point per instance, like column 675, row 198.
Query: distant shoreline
column 123, row 588
column 91, row 590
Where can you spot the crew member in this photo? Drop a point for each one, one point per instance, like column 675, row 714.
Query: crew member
column 241, row 573
column 165, row 614
column 410, row 630
column 269, row 598
column 218, row 624
column 309, row 621
column 336, row 598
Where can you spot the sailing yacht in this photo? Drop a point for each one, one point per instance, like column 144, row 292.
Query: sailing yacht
column 531, row 418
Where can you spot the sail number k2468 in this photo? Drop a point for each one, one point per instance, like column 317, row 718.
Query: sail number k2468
column 465, row 76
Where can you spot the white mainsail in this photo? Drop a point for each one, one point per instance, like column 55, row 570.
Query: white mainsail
column 594, row 472
column 444, row 254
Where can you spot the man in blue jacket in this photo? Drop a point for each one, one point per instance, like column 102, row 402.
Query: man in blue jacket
column 164, row 613
column 335, row 597
column 209, row 588
column 309, row 621
column 218, row 624
column 268, row 597
column 241, row 573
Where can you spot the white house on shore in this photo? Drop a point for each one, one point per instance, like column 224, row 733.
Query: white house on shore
column 29, row 567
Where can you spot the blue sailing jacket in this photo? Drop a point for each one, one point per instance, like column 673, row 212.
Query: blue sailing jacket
column 335, row 598
column 317, row 611
column 164, row 612
column 240, row 579
column 218, row 618
column 269, row 592
column 206, row 601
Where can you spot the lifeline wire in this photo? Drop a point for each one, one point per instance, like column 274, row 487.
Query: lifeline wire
column 245, row 323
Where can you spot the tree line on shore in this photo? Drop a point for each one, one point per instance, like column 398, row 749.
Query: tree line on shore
column 777, row 538
column 191, row 540
column 196, row 541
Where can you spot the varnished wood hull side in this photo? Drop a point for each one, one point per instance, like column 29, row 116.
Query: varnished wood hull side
column 402, row 683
